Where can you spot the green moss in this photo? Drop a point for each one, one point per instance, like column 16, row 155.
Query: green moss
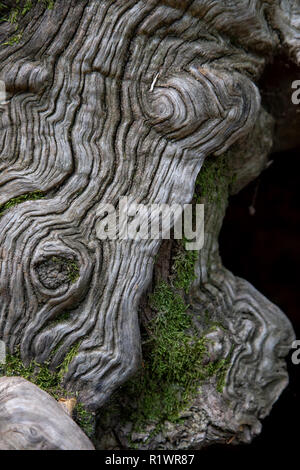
column 18, row 200
column 72, row 267
column 184, row 268
column 174, row 353
column 67, row 361
column 175, row 359
column 85, row 420
column 174, row 364
column 50, row 381
column 73, row 271
column 63, row 317
column 15, row 39
column 213, row 180
column 50, row 4
column 27, row 7
column 39, row 374
column 14, row 15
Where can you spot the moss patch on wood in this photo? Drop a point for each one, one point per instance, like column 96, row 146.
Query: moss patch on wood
column 51, row 382
column 18, row 200
column 213, row 180
column 184, row 267
column 70, row 265
column 174, row 362
column 175, row 358
column 14, row 15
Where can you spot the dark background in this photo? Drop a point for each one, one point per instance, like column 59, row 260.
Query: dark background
column 265, row 250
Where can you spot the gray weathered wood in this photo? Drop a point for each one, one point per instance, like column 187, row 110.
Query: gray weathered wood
column 109, row 99
column 32, row 420
column 249, row 331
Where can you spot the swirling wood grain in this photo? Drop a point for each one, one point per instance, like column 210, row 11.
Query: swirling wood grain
column 110, row 99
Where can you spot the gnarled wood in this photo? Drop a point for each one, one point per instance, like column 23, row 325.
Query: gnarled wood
column 110, row 99
column 32, row 420
column 250, row 332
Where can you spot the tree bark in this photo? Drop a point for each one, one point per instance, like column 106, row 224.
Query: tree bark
column 111, row 99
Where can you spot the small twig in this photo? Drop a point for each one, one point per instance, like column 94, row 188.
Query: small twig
column 154, row 82
column 230, row 440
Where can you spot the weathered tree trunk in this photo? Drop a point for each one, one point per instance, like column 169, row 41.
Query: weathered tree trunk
column 108, row 99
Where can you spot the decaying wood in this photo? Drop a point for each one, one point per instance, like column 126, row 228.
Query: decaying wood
column 110, row 99
column 32, row 420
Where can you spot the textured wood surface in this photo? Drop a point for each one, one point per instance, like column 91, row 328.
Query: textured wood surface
column 249, row 331
column 109, row 99
column 32, row 420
